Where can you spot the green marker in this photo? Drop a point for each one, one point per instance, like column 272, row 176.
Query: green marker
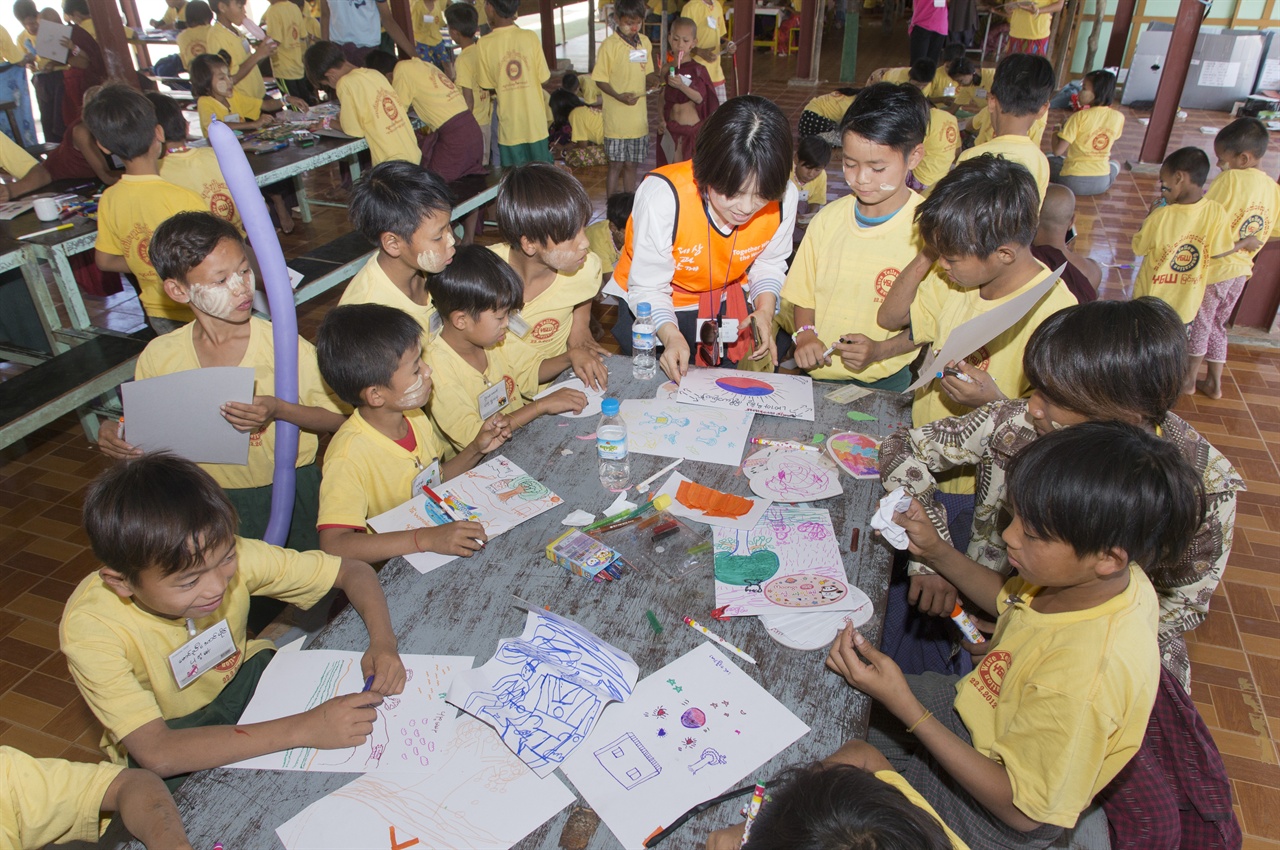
column 653, row 622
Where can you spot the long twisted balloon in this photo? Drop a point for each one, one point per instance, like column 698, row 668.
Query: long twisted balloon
column 284, row 316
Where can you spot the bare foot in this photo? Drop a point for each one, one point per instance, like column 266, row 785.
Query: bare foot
column 1189, row 388
column 1210, row 389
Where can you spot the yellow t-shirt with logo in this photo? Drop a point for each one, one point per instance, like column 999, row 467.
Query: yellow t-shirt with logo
column 940, row 145
column 127, row 214
column 813, row 193
column 1028, row 26
column 586, row 124
column 897, row 780
column 1019, row 149
column 1251, row 199
column 512, row 66
column 236, row 45
column 830, row 106
column 429, row 91
column 617, row 65
column 13, row 159
column 455, row 405
column 371, row 109
column 172, row 16
column 283, row 21
column 465, row 73
column 372, row 286
column 367, row 473
column 241, row 106
column 600, row 240
column 842, row 272
column 197, row 169
column 550, row 315
column 982, row 126
column 711, row 29
column 118, row 654
column 51, row 801
column 1091, row 133
column 428, row 18
column 192, row 42
column 176, row 352
column 1177, row 243
column 1062, row 700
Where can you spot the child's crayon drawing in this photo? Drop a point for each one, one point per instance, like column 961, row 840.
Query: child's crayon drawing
column 788, row 474
column 668, row 429
column 857, row 454
column 759, row 392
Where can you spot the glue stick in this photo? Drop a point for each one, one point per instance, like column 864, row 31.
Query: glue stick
column 967, row 628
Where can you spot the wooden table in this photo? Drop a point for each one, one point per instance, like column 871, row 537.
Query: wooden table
column 466, row 607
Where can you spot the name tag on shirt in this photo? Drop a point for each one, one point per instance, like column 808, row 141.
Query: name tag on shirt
column 232, row 118
column 517, row 325
column 939, row 4
column 638, row 55
column 728, row 330
column 244, row 43
column 493, row 399
column 429, row 477
column 804, row 195
column 711, row 22
column 431, row 19
column 202, row 653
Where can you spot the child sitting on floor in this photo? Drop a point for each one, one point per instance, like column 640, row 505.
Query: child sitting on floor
column 1018, row 99
column 1081, row 158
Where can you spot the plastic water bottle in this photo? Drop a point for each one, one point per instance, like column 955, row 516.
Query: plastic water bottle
column 611, row 445
column 643, row 364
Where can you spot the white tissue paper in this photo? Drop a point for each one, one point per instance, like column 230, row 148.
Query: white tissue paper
column 619, row 505
column 896, row 502
column 578, row 519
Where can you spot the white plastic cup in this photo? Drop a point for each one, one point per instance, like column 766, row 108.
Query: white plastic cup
column 47, row 209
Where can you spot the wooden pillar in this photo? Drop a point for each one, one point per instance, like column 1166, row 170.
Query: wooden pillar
column 134, row 20
column 115, row 49
column 808, row 22
column 849, row 55
column 1182, row 44
column 546, row 14
column 744, row 27
column 1120, row 26
column 591, row 36
column 400, row 12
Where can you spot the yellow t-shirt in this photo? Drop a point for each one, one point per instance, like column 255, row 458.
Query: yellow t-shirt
column 814, row 193
column 220, row 37
column 843, row 272
column 283, row 21
column 896, row 75
column 1252, row 201
column 624, row 68
column 1062, row 700
column 709, row 16
column 1029, row 27
column 429, row 91
column 1091, row 133
column 830, row 106
column 51, row 801
column 550, row 315
column 372, row 286
column 13, row 159
column 427, row 19
column 197, row 169
column 897, row 780
column 512, row 66
column 372, row 110
column 240, row 107
column 127, row 214
column 27, row 42
column 589, row 91
column 982, row 126
column 966, row 95
column 192, row 42
column 1177, row 243
column 1018, row 149
column 176, row 352
column 940, row 145
column 465, row 70
column 455, row 405
column 9, row 51
column 586, row 124
column 600, row 242
column 118, row 654
column 366, row 473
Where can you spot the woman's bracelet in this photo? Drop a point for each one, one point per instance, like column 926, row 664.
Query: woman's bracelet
column 912, row 728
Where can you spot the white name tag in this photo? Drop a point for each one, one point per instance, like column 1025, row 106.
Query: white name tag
column 804, row 196
column 711, row 22
column 429, row 477
column 980, row 94
column 431, row 19
column 493, row 399
column 202, row 653
column 517, row 325
column 638, row 55
column 728, row 330
column 939, row 4
column 232, row 118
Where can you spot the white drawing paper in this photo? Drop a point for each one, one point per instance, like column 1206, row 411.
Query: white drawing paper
column 411, row 728
column 814, row 629
column 594, row 397
column 10, row 210
column 49, row 40
column 544, row 690
column 503, row 496
column 689, row 732
column 182, row 413
column 980, row 330
column 786, row 474
column 760, row 392
column 668, row 429
column 789, row 563
column 475, row 796
column 747, row 520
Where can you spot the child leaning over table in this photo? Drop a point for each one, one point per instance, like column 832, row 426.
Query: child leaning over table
column 371, row 109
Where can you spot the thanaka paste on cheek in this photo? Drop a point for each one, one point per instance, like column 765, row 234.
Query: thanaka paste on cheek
column 220, row 300
column 414, row 396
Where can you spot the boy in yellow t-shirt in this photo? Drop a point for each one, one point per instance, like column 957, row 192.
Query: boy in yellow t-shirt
column 388, row 451
column 542, row 215
column 855, row 247
column 428, row 18
column 27, row 172
column 173, row 570
column 463, row 23
column 821, row 115
column 624, row 73
column 1029, row 25
column 1019, row 97
column 713, row 39
column 511, row 66
column 225, row 36
column 193, row 41
column 479, row 372
column 371, row 108
column 981, row 129
column 606, row 237
column 191, row 168
column 809, row 173
column 942, row 139
column 1183, row 242
column 283, row 21
column 124, row 123
column 175, row 11
column 1081, row 158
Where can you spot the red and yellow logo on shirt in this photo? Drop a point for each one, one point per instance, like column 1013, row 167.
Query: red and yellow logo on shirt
column 884, row 282
column 1252, row 226
column 1101, row 142
column 979, row 359
column 510, row 384
column 221, row 205
column 545, row 329
column 515, row 70
column 1185, row 258
column 950, row 134
column 990, row 675
column 389, row 108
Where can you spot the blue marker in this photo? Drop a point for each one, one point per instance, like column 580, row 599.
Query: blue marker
column 368, row 683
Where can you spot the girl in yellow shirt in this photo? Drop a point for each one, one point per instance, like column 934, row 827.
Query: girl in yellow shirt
column 1082, row 146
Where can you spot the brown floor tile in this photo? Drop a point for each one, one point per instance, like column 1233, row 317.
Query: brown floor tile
column 56, row 692
column 1260, row 806
column 34, row 743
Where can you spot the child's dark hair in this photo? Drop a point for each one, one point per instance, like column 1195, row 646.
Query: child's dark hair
column 25, row 9
column 1104, row 485
column 564, row 101
column 961, row 67
column 840, row 806
column 169, row 116
column 1110, row 360
column 813, row 152
column 198, row 14
column 381, row 61
column 848, row 91
column 361, row 345
column 617, row 209
column 321, row 58
column 951, row 53
column 985, row 202
column 505, row 8
column 217, row 5
column 122, row 120
column 1244, row 135
column 156, row 512
column 747, row 139
column 462, row 17
column 570, row 82
column 477, row 280
column 630, row 9
column 1192, row 162
column 1022, row 84
column 922, row 71
column 77, row 7
column 1103, row 83
column 183, row 240
column 394, row 197
column 541, row 202
column 201, row 73
column 896, row 116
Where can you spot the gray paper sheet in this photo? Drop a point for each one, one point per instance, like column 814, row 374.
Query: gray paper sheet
column 181, row 413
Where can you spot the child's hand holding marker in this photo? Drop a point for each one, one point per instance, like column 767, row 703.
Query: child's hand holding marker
column 969, row 385
column 858, row 351
column 112, row 443
column 383, row 669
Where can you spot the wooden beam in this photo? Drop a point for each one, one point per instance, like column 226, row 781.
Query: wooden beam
column 1177, row 62
column 115, row 48
column 546, row 14
column 1117, row 45
column 400, row 12
column 744, row 27
column 805, row 65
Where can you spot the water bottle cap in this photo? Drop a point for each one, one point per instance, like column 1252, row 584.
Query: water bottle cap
column 643, row 309
column 609, row 406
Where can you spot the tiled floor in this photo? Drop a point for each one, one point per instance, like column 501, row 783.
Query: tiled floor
column 1235, row 653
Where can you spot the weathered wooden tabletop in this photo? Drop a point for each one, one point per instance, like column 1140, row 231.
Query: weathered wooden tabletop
column 467, row 606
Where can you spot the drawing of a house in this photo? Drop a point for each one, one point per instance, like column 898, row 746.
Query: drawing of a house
column 627, row 761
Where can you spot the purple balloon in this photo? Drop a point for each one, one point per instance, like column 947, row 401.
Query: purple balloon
column 284, row 316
